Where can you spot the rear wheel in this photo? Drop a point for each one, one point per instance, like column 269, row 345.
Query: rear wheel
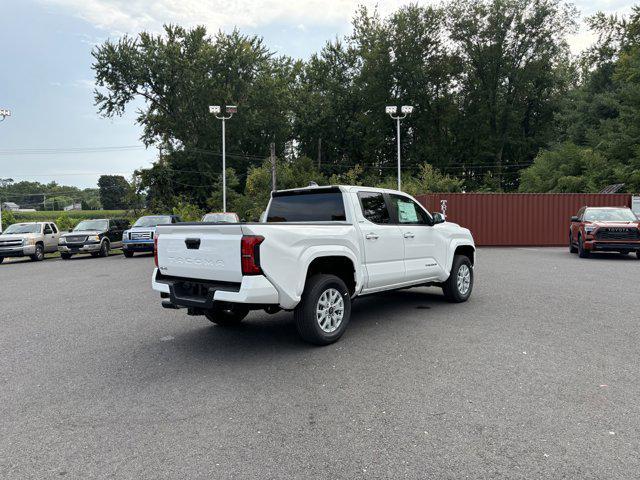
column 127, row 253
column 65, row 256
column 227, row 315
column 459, row 285
column 582, row 253
column 324, row 311
column 572, row 247
column 1, row 259
column 638, row 254
column 39, row 253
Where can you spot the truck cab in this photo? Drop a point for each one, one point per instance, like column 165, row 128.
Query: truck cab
column 318, row 248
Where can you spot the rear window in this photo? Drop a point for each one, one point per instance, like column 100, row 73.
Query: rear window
column 308, row 206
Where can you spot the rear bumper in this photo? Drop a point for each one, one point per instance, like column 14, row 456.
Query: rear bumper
column 596, row 245
column 17, row 251
column 255, row 290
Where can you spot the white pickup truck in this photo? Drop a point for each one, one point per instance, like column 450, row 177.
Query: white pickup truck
column 316, row 250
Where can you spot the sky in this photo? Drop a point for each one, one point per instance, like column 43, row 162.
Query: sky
column 55, row 133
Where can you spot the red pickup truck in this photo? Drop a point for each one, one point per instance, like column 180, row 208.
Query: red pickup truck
column 607, row 229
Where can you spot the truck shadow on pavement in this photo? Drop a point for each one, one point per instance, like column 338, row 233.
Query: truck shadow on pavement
column 262, row 333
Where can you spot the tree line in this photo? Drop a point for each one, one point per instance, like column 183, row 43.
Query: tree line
column 500, row 104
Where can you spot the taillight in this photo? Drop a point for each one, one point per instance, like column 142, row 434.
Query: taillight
column 155, row 250
column 250, row 254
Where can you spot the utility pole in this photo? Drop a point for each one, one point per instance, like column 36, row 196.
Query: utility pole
column 229, row 110
column 273, row 167
column 392, row 110
column 319, row 152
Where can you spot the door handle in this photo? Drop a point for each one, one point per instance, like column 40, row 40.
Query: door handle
column 409, row 235
column 371, row 236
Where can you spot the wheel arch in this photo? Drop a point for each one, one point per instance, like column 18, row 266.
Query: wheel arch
column 341, row 266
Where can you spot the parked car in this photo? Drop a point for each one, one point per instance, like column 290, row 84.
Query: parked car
column 319, row 248
column 32, row 239
column 140, row 237
column 604, row 229
column 96, row 237
column 220, row 217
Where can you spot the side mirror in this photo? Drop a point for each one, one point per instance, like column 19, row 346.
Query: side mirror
column 575, row 219
column 438, row 218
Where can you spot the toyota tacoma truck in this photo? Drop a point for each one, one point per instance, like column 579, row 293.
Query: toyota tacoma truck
column 317, row 249
column 32, row 239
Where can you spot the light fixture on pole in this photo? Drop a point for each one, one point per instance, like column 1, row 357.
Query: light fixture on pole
column 392, row 111
column 4, row 113
column 229, row 111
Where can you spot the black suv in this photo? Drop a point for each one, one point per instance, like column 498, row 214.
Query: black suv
column 96, row 237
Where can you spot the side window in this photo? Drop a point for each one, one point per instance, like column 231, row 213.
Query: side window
column 54, row 228
column 47, row 229
column 374, row 207
column 408, row 212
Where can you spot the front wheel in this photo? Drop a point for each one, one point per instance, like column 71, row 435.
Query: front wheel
column 637, row 255
column 65, row 256
column 1, row 259
column 582, row 252
column 127, row 253
column 39, row 254
column 324, row 311
column 572, row 247
column 227, row 315
column 104, row 249
column 459, row 285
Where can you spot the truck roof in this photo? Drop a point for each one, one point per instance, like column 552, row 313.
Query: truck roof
column 344, row 188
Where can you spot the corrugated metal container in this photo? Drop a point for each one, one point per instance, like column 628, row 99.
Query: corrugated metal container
column 518, row 219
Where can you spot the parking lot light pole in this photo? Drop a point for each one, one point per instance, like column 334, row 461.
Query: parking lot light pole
column 229, row 111
column 392, row 111
column 4, row 113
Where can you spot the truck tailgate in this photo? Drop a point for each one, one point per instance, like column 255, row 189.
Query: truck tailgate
column 204, row 252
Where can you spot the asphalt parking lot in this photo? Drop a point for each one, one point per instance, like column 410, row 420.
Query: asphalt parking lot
column 537, row 376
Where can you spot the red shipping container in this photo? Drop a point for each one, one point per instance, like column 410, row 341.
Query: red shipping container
column 519, row 219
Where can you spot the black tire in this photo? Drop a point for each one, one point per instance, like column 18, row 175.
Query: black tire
column 305, row 314
column 104, row 249
column 127, row 253
column 582, row 253
column 38, row 256
column 1, row 259
column 572, row 247
column 453, row 290
column 638, row 254
column 227, row 315
column 65, row 256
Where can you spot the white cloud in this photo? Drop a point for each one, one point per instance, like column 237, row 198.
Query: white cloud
column 131, row 16
column 117, row 16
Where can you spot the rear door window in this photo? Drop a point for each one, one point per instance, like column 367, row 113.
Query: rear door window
column 322, row 205
column 374, row 207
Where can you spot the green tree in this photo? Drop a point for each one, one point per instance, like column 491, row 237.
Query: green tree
column 178, row 75
column 114, row 190
column 514, row 54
